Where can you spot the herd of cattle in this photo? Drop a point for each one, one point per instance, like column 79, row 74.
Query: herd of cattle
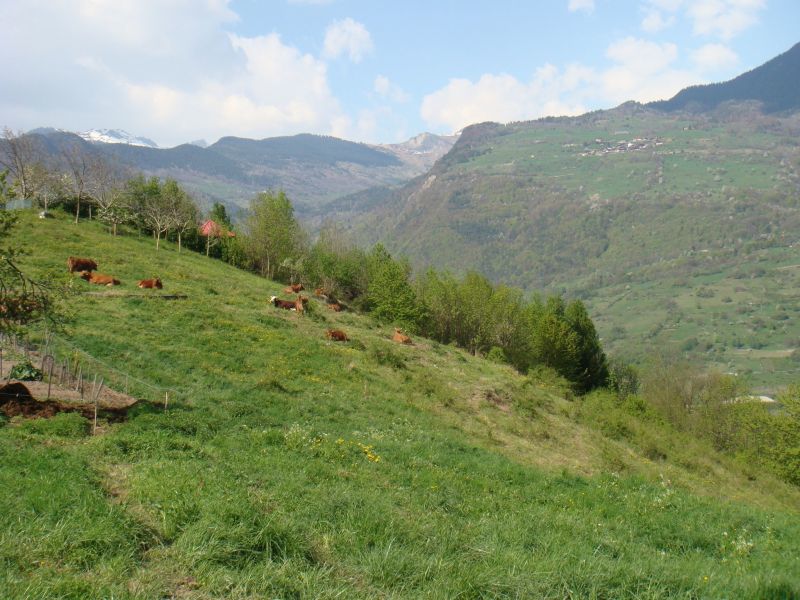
column 86, row 267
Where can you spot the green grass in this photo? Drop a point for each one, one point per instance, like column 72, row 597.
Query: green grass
column 525, row 206
column 293, row 467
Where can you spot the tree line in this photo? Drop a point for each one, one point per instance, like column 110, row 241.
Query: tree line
column 469, row 312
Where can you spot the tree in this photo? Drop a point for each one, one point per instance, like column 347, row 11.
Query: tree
column 273, row 233
column 18, row 154
column 336, row 265
column 22, row 299
column 105, row 187
column 592, row 365
column 139, row 194
column 78, row 169
column 390, row 296
column 47, row 186
column 181, row 211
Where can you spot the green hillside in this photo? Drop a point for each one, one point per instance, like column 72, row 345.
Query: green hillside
column 289, row 466
column 616, row 207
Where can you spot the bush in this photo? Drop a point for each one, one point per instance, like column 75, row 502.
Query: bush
column 25, row 371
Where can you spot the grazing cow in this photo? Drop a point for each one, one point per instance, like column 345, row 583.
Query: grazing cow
column 99, row 278
column 285, row 304
column 336, row 335
column 149, row 284
column 75, row 264
column 335, row 306
column 401, row 337
column 295, row 288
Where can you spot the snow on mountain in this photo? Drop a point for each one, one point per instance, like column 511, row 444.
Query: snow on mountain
column 116, row 136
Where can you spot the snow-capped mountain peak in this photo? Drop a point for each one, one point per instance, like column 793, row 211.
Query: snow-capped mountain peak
column 116, row 136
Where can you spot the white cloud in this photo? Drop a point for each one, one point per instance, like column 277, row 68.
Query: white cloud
column 581, row 5
column 386, row 89
column 347, row 37
column 643, row 71
column 713, row 57
column 640, row 56
column 123, row 63
column 639, row 70
column 724, row 18
column 503, row 98
column 654, row 21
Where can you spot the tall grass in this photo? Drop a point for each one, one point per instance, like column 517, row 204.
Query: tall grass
column 294, row 467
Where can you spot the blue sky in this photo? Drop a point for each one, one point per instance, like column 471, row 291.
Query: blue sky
column 180, row 70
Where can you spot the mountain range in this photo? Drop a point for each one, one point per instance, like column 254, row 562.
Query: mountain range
column 311, row 169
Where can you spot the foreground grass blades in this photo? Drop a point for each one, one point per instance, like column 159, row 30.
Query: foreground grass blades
column 292, row 467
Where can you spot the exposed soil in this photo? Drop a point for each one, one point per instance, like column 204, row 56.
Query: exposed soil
column 16, row 399
column 29, row 399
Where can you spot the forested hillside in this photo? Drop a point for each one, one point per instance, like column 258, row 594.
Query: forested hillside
column 773, row 85
column 621, row 208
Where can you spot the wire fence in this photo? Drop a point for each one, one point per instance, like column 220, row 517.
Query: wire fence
column 66, row 365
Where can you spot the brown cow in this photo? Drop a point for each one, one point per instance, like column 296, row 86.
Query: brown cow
column 299, row 305
column 285, row 304
column 295, row 288
column 149, row 284
column 99, row 278
column 335, row 307
column 320, row 293
column 400, row 337
column 336, row 335
column 75, row 264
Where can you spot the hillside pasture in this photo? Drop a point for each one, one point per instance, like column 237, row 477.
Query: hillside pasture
column 293, row 467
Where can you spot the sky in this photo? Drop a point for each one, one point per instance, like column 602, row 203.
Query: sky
column 365, row 70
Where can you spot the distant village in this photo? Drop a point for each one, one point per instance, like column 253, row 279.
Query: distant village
column 603, row 147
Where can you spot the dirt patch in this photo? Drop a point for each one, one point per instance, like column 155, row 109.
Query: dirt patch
column 16, row 399
column 108, row 398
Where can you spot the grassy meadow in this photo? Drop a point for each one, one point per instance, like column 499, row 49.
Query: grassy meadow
column 290, row 466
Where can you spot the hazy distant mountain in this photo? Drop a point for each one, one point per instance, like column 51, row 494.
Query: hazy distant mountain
column 776, row 84
column 312, row 169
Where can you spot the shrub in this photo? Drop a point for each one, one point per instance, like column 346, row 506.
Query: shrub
column 25, row 371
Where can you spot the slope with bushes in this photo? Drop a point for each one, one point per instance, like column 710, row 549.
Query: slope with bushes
column 292, row 466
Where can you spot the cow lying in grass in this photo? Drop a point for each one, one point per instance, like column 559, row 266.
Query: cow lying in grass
column 295, row 288
column 150, row 284
column 336, row 335
column 285, row 304
column 99, row 278
column 75, row 264
column 400, row 337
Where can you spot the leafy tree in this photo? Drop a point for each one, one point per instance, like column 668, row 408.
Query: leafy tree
column 180, row 210
column 273, row 233
column 336, row 265
column 389, row 293
column 22, row 299
column 219, row 215
column 142, row 196
column 553, row 342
